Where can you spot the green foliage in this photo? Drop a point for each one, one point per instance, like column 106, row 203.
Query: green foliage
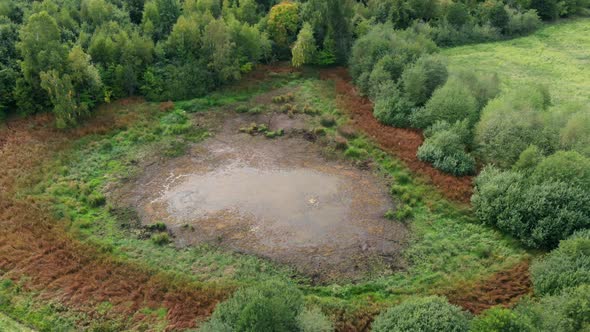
column 445, row 149
column 392, row 107
column 398, row 47
column 457, row 14
column 175, row 123
column 575, row 135
column 422, row 314
column 565, row 267
column 510, row 124
column 500, row 319
column 305, row 47
column 565, row 166
column 422, row 78
column 160, row 239
column 283, row 24
column 452, row 102
column 538, row 214
column 529, row 159
column 313, row 320
column 269, row 306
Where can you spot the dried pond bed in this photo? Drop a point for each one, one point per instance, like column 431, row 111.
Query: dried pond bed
column 279, row 199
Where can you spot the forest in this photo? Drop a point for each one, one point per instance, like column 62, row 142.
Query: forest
column 295, row 165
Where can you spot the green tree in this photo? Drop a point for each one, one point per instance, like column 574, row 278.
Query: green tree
column 565, row 166
column 422, row 314
column 42, row 50
column 305, row 48
column 283, row 24
column 422, row 78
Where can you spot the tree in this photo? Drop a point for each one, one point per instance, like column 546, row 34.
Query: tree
column 283, row 23
column 41, row 49
column 565, row 166
column 432, row 313
column 391, row 106
column 565, row 267
column 305, row 48
column 538, row 214
column 219, row 47
column 452, row 102
column 422, row 78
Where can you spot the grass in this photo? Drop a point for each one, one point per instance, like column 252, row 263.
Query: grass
column 556, row 56
column 447, row 249
column 8, row 324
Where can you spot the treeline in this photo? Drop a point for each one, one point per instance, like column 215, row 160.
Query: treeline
column 69, row 55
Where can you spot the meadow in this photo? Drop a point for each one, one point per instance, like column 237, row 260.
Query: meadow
column 555, row 56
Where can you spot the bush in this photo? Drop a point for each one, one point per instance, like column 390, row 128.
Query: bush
column 484, row 87
column 313, row 320
column 445, row 149
column 566, row 166
column 567, row 266
column 575, row 135
column 452, row 102
column 161, row 238
column 529, row 159
column 422, row 314
column 539, row 215
column 510, row 124
column 521, row 23
column 175, row 123
column 501, row 320
column 269, row 306
column 421, row 79
column 392, row 107
column 382, row 41
column 328, row 121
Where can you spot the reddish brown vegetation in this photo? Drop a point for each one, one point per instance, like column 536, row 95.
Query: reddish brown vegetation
column 403, row 143
column 34, row 246
column 503, row 288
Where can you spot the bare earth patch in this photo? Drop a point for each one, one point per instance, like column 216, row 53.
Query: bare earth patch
column 278, row 199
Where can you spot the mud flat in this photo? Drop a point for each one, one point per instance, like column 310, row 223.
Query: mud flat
column 278, row 199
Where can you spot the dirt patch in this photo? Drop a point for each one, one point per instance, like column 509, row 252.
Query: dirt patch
column 503, row 288
column 403, row 143
column 278, row 199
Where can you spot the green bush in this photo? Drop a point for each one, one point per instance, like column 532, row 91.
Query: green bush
column 161, row 238
column 328, row 121
column 538, row 214
column 423, row 77
column 521, row 23
column 175, row 123
column 269, row 306
column 565, row 166
column 422, row 314
column 567, row 266
column 529, row 159
column 392, row 107
column 510, row 124
column 500, row 319
column 313, row 320
column 452, row 102
column 575, row 135
column 445, row 149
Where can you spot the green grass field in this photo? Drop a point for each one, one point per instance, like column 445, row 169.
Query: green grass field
column 9, row 325
column 556, row 56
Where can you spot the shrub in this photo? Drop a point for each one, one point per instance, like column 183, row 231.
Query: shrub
column 575, row 135
column 539, row 215
column 521, row 23
column 392, row 107
column 175, row 123
column 269, row 306
column 566, row 166
column 567, row 266
column 484, row 87
column 161, row 238
column 445, row 149
column 421, row 79
column 457, row 14
column 510, row 124
column 529, row 159
column 96, row 199
column 422, row 314
column 500, row 319
column 313, row 320
column 452, row 102
column 382, row 41
column 386, row 69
